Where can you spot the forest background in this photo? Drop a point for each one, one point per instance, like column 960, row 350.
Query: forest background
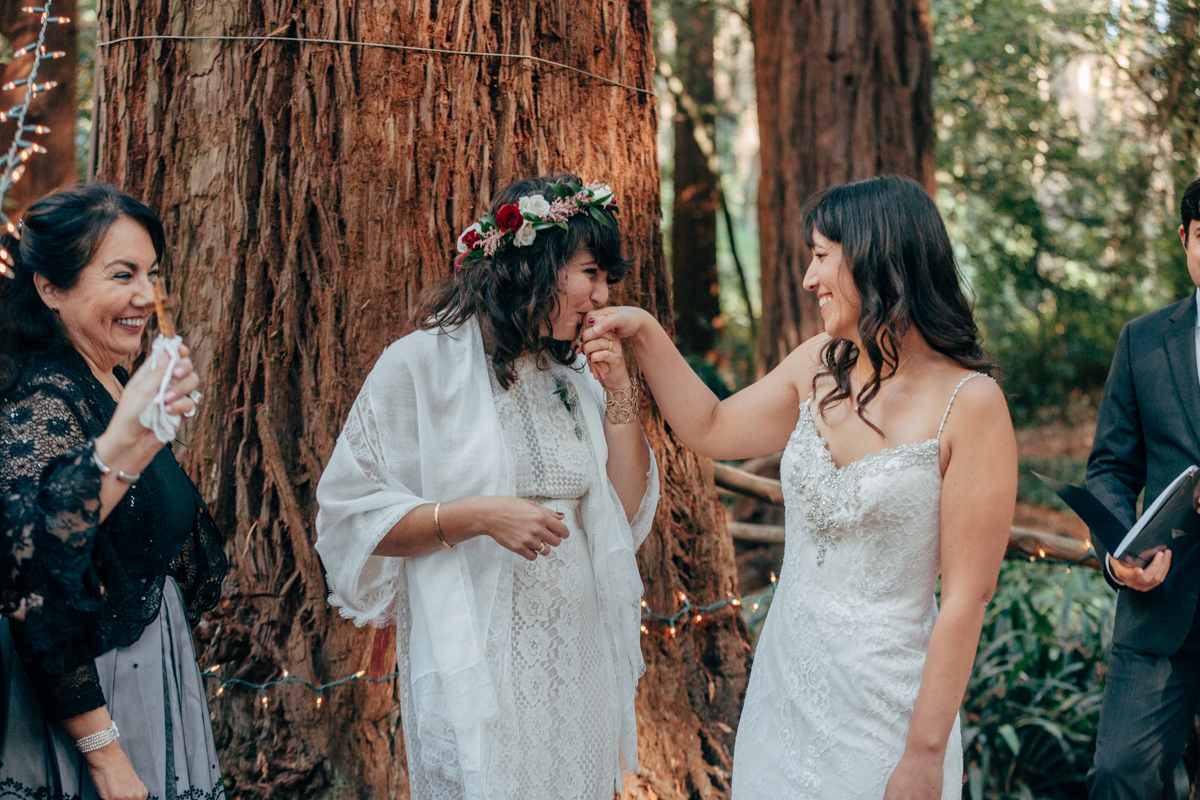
column 1063, row 133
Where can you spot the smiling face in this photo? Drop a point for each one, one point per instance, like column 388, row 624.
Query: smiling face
column 105, row 312
column 837, row 296
column 1190, row 237
column 582, row 288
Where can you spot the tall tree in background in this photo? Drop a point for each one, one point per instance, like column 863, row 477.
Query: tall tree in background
column 309, row 193
column 695, row 287
column 54, row 109
column 844, row 93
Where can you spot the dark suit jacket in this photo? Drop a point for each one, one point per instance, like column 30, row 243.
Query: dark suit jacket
column 1149, row 432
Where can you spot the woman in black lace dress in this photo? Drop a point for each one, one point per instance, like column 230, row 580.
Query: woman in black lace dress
column 122, row 654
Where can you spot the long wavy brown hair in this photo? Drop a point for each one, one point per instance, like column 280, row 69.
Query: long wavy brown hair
column 900, row 258
column 514, row 294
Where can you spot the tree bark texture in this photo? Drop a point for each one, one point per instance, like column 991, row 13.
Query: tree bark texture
column 309, row 193
column 55, row 109
column 844, row 93
column 695, row 287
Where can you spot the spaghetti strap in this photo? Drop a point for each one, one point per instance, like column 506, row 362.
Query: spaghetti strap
column 954, row 395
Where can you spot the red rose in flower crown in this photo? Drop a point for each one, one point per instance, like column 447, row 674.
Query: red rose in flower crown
column 509, row 217
column 471, row 239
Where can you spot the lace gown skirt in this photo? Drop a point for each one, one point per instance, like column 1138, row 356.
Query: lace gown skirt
column 839, row 664
column 155, row 695
column 565, row 681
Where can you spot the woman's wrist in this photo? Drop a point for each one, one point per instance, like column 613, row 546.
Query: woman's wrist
column 118, row 452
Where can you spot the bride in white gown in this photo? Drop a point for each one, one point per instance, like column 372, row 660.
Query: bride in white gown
column 898, row 468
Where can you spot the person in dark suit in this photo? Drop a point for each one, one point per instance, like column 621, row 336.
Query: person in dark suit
column 1147, row 433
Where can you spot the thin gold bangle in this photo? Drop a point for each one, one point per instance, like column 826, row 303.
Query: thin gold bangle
column 437, row 527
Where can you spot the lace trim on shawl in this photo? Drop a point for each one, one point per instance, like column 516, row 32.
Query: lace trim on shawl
column 11, row 788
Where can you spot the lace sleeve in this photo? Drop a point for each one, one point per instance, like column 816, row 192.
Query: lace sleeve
column 52, row 491
column 201, row 566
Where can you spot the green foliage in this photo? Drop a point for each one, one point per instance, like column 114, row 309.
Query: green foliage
column 1031, row 490
column 1033, row 701
column 1057, row 189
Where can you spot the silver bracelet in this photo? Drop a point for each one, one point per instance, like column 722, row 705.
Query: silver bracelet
column 621, row 407
column 122, row 475
column 94, row 741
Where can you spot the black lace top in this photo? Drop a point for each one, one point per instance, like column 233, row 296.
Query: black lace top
column 54, row 409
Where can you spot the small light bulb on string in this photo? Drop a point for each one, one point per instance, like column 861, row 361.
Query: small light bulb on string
column 33, row 9
column 682, row 597
column 699, row 617
column 220, row 690
column 1041, row 553
column 672, row 630
column 773, row 578
column 54, row 54
column 29, row 48
column 263, row 696
column 754, row 607
column 645, row 629
column 8, row 87
column 58, row 20
column 285, row 674
column 318, row 698
column 360, row 673
column 44, row 87
column 18, row 172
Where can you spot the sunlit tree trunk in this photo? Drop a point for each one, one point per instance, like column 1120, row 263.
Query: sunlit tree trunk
column 309, row 193
column 694, row 283
column 844, row 93
column 54, row 109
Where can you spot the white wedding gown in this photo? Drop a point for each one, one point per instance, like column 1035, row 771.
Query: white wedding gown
column 838, row 665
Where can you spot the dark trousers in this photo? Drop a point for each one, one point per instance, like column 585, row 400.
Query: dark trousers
column 1149, row 705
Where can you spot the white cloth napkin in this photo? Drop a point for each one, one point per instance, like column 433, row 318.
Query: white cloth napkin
column 155, row 416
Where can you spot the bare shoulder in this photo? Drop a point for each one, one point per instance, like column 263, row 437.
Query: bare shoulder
column 803, row 363
column 980, row 408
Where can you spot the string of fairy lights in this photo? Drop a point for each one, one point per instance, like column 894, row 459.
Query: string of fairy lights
column 685, row 613
column 22, row 148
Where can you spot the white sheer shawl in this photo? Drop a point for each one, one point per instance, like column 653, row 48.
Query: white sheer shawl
column 424, row 429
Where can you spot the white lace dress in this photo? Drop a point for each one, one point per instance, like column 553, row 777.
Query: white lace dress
column 839, row 662
column 567, row 711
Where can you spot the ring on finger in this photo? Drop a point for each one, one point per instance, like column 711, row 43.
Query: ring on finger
column 196, row 396
column 192, row 413
column 541, row 551
column 610, row 344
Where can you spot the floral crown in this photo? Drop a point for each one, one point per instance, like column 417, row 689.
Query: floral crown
column 518, row 223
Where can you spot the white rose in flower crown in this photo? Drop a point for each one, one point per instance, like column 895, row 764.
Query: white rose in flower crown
column 525, row 235
column 601, row 190
column 533, row 204
column 462, row 247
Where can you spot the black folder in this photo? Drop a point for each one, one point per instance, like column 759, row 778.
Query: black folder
column 1169, row 522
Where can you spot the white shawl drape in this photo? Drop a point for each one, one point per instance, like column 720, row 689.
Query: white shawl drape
column 425, row 429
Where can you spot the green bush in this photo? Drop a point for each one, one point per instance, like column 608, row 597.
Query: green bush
column 1033, row 701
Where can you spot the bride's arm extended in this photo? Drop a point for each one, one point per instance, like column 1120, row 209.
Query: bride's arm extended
column 978, row 496
column 755, row 421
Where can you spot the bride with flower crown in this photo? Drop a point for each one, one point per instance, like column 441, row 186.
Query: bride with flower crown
column 487, row 496
column 899, row 467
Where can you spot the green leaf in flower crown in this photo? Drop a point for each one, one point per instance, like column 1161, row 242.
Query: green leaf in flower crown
column 598, row 215
column 562, row 223
column 559, row 190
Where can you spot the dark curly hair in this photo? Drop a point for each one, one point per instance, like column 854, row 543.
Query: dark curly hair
column 60, row 233
column 513, row 295
column 900, row 258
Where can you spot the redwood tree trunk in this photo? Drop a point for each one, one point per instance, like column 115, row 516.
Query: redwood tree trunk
column 309, row 193
column 55, row 109
column 695, row 287
column 844, row 93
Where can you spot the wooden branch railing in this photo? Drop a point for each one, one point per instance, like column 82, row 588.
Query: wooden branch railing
column 1025, row 541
